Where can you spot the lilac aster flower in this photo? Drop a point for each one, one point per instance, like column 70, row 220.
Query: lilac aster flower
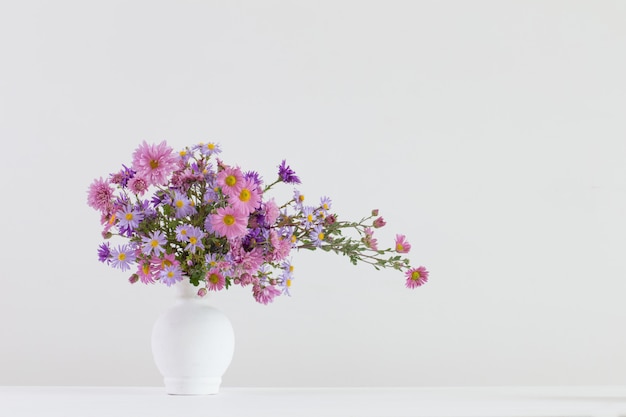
column 317, row 235
column 153, row 244
column 129, row 217
column 182, row 232
column 194, row 237
column 182, row 204
column 170, row 275
column 309, row 216
column 286, row 174
column 325, row 204
column 122, row 257
column 286, row 276
column 208, row 149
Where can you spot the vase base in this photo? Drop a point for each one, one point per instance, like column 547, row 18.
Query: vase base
column 192, row 386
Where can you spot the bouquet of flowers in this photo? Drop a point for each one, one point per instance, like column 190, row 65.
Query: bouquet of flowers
column 190, row 216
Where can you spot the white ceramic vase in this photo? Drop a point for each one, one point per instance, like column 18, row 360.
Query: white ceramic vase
column 192, row 344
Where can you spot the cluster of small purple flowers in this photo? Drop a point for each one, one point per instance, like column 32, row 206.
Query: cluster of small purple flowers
column 189, row 216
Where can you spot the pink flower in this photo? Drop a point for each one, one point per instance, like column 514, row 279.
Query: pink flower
column 154, row 163
column 100, row 196
column 248, row 198
column 215, row 281
column 264, row 294
column 271, row 211
column 231, row 181
column 402, row 246
column 369, row 239
column 416, row 277
column 229, row 222
column 145, row 273
column 281, row 246
column 379, row 222
column 138, row 185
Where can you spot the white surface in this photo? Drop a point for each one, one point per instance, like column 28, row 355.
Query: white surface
column 314, row 402
column 491, row 133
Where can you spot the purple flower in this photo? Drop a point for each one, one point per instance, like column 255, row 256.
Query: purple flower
column 153, row 243
column 194, row 237
column 129, row 217
column 254, row 176
column 123, row 176
column 317, row 235
column 182, row 204
column 122, row 257
column 286, row 174
column 104, row 253
column 170, row 275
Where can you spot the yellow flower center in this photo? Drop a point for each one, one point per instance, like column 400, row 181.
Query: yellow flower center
column 288, row 283
column 325, row 206
column 415, row 275
column 309, row 217
column 180, row 203
column 320, row 236
column 193, row 240
column 290, row 268
column 154, row 164
column 214, row 278
column 301, row 197
column 293, row 238
column 399, row 247
column 129, row 216
column 166, row 262
column 146, row 269
column 154, row 243
column 229, row 220
column 182, row 153
column 211, row 146
column 170, row 274
column 121, row 256
column 183, row 232
column 230, row 180
column 244, row 195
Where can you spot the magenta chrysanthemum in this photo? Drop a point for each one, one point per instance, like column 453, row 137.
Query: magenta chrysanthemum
column 416, row 277
column 154, row 163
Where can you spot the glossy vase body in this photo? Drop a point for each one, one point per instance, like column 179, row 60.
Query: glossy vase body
column 192, row 344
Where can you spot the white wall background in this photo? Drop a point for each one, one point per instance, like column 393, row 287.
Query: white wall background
column 492, row 133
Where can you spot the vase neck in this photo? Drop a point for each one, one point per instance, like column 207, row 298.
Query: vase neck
column 186, row 290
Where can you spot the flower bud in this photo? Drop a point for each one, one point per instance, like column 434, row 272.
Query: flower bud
column 202, row 292
column 379, row 222
column 133, row 278
column 375, row 212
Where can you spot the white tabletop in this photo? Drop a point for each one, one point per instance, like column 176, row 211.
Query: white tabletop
column 276, row 402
